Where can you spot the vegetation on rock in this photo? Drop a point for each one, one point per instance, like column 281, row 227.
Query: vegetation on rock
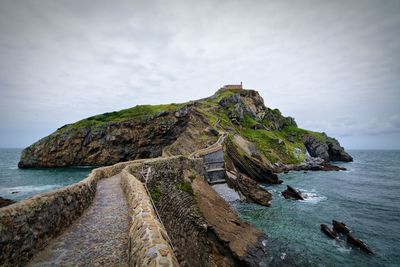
column 180, row 129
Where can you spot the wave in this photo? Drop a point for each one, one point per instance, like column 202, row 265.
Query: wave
column 312, row 197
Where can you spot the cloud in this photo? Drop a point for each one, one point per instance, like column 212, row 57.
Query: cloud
column 334, row 66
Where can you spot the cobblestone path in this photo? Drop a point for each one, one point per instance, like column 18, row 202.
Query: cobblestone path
column 98, row 238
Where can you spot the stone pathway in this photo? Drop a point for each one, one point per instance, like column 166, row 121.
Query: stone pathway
column 98, row 238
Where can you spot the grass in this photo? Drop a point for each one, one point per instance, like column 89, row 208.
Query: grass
column 299, row 133
column 155, row 194
column 136, row 113
column 273, row 144
column 184, row 186
column 276, row 145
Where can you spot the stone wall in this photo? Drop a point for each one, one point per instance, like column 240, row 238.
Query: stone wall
column 27, row 226
column 182, row 219
column 204, row 229
column 148, row 244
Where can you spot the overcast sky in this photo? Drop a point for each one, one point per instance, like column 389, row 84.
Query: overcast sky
column 333, row 65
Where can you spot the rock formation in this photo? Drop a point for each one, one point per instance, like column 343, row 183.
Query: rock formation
column 340, row 227
column 291, row 193
column 330, row 233
column 358, row 243
column 249, row 188
column 148, row 131
column 327, row 149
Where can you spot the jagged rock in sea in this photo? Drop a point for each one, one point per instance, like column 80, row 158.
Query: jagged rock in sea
column 291, row 193
column 358, row 243
column 329, row 232
column 340, row 227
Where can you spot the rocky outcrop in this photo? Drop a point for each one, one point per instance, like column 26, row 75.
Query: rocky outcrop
column 291, row 193
column 5, row 202
column 245, row 102
column 106, row 144
column 340, row 227
column 180, row 129
column 358, row 243
column 311, row 164
column 249, row 188
column 327, row 149
column 329, row 232
column 276, row 121
column 250, row 166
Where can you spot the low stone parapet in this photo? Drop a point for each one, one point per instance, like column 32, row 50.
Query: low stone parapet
column 27, row 226
column 148, row 245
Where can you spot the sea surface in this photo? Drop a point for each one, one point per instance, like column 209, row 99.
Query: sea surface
column 18, row 184
column 366, row 197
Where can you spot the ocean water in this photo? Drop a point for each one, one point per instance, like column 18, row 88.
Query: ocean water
column 366, row 197
column 28, row 182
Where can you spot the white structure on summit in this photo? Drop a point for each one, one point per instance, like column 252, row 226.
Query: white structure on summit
column 233, row 86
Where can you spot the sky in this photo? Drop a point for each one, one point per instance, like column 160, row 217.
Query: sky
column 332, row 65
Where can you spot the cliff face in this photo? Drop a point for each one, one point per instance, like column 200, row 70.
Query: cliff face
column 108, row 143
column 150, row 131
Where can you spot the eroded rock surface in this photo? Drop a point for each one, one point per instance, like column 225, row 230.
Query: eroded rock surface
column 106, row 144
column 291, row 193
column 250, row 166
column 249, row 188
column 329, row 150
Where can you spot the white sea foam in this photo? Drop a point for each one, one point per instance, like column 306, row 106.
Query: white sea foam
column 312, row 197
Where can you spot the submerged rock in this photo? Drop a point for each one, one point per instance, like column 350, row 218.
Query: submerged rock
column 340, row 227
column 291, row 193
column 358, row 243
column 330, row 233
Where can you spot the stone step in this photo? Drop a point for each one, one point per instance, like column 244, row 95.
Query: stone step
column 215, row 170
column 219, row 181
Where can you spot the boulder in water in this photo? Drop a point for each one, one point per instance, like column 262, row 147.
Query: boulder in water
column 291, row 193
column 358, row 243
column 340, row 227
column 331, row 233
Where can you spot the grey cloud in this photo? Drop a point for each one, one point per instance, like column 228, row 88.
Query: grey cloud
column 333, row 65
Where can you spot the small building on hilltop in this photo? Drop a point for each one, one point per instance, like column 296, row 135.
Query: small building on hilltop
column 233, row 86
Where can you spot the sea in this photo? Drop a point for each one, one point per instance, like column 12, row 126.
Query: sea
column 366, row 197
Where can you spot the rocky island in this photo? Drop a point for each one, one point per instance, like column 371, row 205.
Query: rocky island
column 166, row 159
